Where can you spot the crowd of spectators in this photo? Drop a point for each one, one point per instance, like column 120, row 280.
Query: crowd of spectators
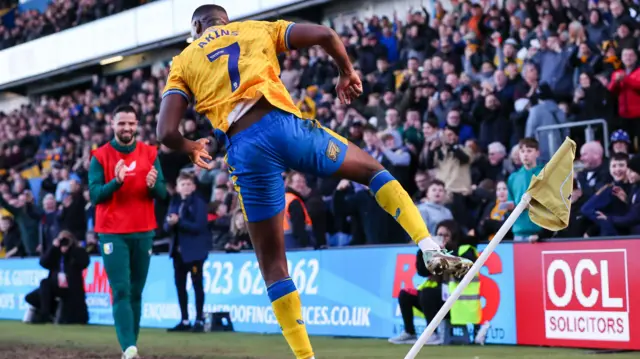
column 7, row 4
column 452, row 101
column 23, row 26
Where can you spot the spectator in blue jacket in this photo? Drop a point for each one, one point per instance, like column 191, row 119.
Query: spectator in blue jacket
column 191, row 241
column 554, row 63
column 390, row 41
column 631, row 219
column 610, row 200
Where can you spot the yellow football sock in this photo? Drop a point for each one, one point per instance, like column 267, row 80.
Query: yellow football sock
column 396, row 201
column 288, row 310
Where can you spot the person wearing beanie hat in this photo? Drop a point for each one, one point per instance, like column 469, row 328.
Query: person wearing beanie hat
column 620, row 141
column 507, row 53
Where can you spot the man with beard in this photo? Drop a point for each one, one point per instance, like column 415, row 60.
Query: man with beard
column 124, row 179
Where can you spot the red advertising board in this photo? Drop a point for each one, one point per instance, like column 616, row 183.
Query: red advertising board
column 578, row 294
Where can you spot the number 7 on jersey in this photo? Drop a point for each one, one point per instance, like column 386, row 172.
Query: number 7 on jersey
column 233, row 51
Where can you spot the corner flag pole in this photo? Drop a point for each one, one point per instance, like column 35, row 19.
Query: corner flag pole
column 524, row 202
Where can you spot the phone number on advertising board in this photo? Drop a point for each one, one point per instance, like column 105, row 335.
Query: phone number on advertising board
column 225, row 277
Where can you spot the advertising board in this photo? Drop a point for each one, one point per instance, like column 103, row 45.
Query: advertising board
column 345, row 292
column 578, row 294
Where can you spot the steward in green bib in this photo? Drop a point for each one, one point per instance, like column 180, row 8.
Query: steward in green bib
column 427, row 299
column 124, row 180
column 467, row 309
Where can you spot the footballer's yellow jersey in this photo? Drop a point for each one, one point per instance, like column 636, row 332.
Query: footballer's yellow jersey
column 229, row 68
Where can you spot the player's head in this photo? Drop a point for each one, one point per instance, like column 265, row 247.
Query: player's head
column 206, row 16
column 185, row 184
column 125, row 124
column 529, row 151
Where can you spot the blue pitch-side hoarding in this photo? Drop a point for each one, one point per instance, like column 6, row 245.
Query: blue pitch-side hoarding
column 345, row 292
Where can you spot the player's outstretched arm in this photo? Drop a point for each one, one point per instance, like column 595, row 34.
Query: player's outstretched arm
column 308, row 35
column 349, row 86
column 172, row 108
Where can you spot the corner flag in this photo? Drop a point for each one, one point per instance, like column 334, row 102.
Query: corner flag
column 549, row 200
column 551, row 190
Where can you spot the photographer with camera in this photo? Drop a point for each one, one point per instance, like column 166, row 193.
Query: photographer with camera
column 65, row 261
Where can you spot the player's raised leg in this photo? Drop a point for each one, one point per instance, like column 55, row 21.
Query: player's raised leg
column 360, row 167
column 318, row 150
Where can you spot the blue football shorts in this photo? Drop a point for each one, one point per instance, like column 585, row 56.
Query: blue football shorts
column 258, row 155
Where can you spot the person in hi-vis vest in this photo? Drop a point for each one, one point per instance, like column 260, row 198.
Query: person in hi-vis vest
column 298, row 227
column 427, row 299
column 124, row 180
column 468, row 308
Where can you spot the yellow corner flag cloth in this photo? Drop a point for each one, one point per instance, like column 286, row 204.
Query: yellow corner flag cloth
column 551, row 189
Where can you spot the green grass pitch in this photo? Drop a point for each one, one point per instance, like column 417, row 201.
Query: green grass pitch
column 18, row 340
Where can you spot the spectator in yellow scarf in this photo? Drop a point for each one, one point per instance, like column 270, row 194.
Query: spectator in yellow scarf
column 611, row 58
column 495, row 212
column 506, row 53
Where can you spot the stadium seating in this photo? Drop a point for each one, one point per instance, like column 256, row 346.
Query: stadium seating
column 32, row 19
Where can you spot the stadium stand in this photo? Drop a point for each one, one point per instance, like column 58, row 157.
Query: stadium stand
column 490, row 75
column 35, row 18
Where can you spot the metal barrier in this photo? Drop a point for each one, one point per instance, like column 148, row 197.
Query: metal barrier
column 588, row 132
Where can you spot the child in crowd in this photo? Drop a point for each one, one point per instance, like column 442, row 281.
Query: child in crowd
column 190, row 244
column 611, row 199
column 432, row 208
column 239, row 234
column 630, row 220
column 523, row 228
